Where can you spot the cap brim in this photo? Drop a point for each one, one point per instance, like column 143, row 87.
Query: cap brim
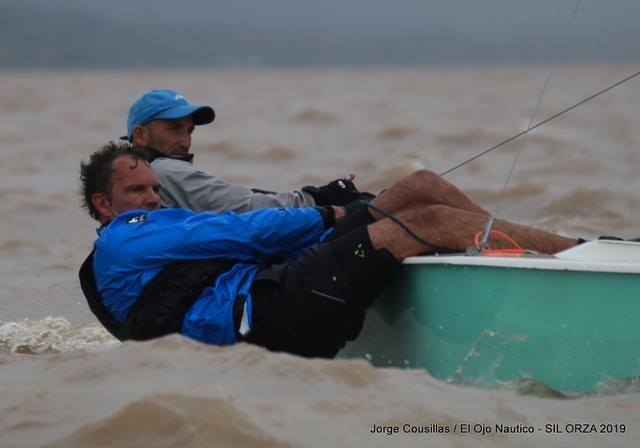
column 201, row 114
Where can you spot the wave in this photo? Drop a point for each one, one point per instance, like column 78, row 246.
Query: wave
column 312, row 115
column 173, row 392
column 51, row 335
column 396, row 132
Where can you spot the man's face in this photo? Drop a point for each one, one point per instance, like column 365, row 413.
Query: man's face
column 170, row 137
column 134, row 186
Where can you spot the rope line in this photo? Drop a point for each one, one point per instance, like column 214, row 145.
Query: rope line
column 545, row 121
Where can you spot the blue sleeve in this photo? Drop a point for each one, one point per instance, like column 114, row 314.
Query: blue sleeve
column 177, row 234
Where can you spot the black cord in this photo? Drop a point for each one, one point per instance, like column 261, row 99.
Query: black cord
column 406, row 228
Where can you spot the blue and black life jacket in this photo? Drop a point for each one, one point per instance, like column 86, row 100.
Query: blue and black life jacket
column 163, row 302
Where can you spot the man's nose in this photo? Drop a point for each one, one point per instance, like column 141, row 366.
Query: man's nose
column 185, row 140
column 152, row 198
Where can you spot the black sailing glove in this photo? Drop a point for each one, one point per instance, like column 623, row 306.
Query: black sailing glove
column 337, row 192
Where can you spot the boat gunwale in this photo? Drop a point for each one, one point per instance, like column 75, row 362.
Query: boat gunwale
column 527, row 262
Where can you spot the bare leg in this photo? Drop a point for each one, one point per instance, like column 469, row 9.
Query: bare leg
column 422, row 189
column 455, row 229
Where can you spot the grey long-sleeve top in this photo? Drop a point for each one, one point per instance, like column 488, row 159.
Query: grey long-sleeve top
column 184, row 186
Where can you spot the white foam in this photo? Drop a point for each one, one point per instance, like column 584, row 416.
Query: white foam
column 52, row 335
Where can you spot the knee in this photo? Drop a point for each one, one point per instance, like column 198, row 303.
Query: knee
column 431, row 182
column 425, row 176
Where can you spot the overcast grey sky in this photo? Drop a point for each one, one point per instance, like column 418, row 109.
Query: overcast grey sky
column 134, row 33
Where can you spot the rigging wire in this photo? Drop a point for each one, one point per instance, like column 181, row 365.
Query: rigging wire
column 486, row 231
column 543, row 122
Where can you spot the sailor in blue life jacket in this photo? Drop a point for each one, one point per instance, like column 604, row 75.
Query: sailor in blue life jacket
column 163, row 121
column 289, row 279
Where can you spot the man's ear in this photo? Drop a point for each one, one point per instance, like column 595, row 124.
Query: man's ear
column 140, row 136
column 102, row 203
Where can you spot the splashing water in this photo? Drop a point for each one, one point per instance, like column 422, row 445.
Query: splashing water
column 52, row 335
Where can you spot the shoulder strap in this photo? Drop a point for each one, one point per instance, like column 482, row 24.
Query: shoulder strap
column 90, row 291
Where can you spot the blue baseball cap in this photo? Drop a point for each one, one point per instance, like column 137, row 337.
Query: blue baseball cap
column 164, row 104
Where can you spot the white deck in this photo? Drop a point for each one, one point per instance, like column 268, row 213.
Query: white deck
column 594, row 256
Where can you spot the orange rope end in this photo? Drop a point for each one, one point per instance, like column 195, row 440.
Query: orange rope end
column 516, row 250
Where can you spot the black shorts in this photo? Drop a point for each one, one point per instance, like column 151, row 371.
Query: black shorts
column 313, row 305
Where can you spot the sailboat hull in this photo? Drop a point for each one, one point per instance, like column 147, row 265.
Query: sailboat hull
column 570, row 327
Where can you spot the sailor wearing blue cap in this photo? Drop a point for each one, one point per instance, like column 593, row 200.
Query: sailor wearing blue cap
column 162, row 120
